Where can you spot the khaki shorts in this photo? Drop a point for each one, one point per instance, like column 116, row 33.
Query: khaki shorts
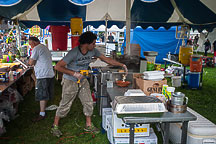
column 70, row 89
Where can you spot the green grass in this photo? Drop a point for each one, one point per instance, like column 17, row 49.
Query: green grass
column 23, row 131
column 203, row 100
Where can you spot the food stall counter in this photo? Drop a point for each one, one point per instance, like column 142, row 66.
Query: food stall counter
column 5, row 85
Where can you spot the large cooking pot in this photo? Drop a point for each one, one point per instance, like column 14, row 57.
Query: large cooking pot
column 178, row 98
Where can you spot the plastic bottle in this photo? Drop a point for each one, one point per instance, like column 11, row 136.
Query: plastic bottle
column 169, row 56
column 10, row 57
column 6, row 77
column 11, row 77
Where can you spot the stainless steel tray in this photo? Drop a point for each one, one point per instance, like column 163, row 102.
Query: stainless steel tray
column 137, row 104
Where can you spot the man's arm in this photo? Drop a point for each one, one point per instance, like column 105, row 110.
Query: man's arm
column 110, row 61
column 60, row 66
column 113, row 62
column 31, row 62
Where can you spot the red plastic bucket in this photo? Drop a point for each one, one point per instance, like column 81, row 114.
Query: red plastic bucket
column 59, row 37
column 74, row 41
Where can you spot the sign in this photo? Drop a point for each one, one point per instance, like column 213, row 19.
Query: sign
column 9, row 2
column 149, row 1
column 81, row 2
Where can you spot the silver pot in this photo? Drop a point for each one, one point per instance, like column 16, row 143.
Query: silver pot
column 178, row 98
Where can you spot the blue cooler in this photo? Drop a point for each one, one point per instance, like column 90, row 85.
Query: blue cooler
column 194, row 80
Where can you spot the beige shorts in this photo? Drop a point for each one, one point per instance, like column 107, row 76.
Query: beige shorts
column 70, row 89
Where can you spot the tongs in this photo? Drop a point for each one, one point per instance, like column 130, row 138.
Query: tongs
column 24, row 65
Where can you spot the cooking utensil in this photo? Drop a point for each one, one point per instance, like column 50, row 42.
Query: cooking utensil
column 24, row 65
column 122, row 83
column 178, row 98
column 137, row 104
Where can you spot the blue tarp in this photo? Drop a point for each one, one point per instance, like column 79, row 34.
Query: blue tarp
column 161, row 41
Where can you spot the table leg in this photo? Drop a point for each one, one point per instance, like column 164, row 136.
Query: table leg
column 166, row 133
column 201, row 78
column 184, row 132
column 184, row 73
column 165, row 65
column 132, row 133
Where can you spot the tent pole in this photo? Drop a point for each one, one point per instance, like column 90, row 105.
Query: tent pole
column 128, row 26
column 105, row 37
column 18, row 35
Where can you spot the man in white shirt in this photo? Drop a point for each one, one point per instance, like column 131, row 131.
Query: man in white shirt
column 42, row 61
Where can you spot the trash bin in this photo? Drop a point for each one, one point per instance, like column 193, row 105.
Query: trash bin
column 59, row 37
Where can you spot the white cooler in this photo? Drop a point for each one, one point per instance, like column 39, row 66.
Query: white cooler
column 110, row 130
column 106, row 113
column 121, row 129
column 151, row 139
column 201, row 131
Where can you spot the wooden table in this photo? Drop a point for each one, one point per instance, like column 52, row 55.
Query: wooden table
column 5, row 85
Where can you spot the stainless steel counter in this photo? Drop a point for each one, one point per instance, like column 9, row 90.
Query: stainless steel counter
column 107, row 74
column 117, row 91
column 166, row 118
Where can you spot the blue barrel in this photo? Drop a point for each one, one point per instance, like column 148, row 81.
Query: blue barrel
column 194, row 80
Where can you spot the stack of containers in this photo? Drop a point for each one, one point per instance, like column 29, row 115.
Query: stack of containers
column 76, row 31
column 195, row 70
column 153, row 75
column 118, row 131
column 150, row 57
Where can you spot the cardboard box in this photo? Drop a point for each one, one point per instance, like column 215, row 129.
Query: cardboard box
column 136, row 75
column 134, row 49
column 149, row 86
column 121, row 129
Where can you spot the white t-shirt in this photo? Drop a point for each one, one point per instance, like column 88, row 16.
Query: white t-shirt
column 43, row 67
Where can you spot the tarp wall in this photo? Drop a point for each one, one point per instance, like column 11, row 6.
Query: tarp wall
column 211, row 36
column 161, row 41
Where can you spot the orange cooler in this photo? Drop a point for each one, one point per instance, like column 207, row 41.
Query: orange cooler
column 185, row 54
column 76, row 26
column 196, row 63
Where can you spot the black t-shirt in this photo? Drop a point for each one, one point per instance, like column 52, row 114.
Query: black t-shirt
column 207, row 44
column 110, row 38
